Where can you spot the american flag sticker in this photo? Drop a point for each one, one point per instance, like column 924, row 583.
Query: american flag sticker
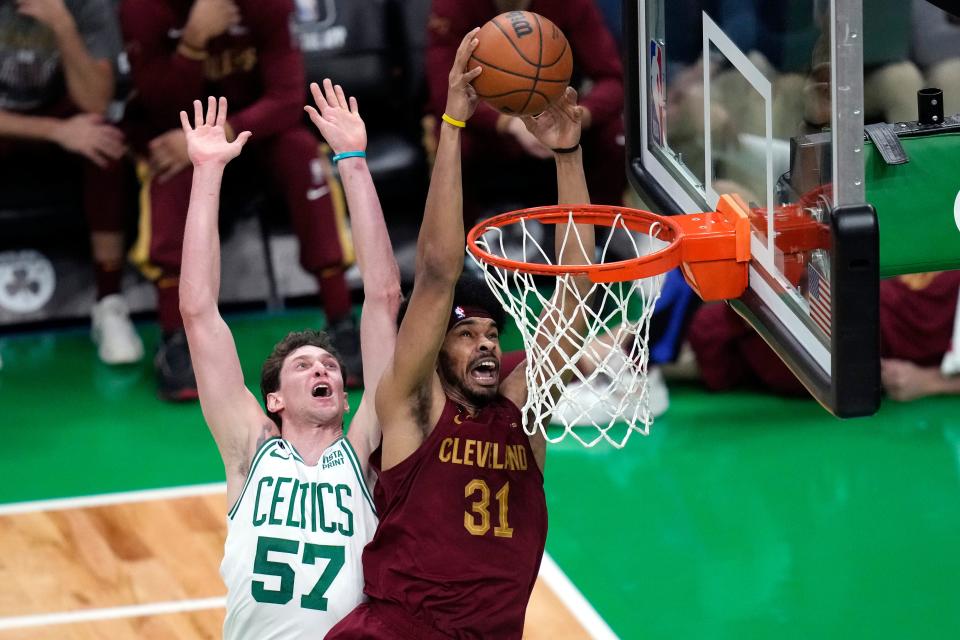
column 818, row 298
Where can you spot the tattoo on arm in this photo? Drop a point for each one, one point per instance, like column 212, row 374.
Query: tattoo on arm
column 269, row 430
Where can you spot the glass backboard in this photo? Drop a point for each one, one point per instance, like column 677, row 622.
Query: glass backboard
column 765, row 100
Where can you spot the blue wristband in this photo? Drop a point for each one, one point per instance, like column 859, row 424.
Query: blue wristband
column 349, row 154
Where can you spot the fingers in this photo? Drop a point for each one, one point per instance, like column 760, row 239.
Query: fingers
column 353, row 106
column 242, row 138
column 466, row 48
column 341, row 98
column 112, row 152
column 315, row 117
column 216, row 114
column 566, row 104
column 103, row 143
column 318, row 98
column 211, row 111
column 469, row 76
column 111, row 133
column 329, row 93
column 332, row 95
column 222, row 112
column 96, row 158
column 111, row 147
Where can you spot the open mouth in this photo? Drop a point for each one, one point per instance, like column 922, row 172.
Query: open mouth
column 485, row 372
column 321, row 390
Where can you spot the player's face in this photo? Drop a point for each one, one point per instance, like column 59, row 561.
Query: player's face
column 311, row 385
column 470, row 358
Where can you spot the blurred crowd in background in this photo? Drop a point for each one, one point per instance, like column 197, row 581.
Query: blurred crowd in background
column 90, row 92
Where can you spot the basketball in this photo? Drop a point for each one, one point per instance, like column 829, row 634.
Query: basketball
column 526, row 63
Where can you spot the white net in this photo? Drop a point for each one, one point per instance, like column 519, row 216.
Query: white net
column 598, row 389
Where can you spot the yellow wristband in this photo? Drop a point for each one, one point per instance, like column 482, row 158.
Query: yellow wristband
column 460, row 124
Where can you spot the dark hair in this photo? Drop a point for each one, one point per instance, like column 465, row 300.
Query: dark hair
column 470, row 291
column 270, row 372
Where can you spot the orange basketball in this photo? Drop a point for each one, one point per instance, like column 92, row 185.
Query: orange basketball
column 526, row 63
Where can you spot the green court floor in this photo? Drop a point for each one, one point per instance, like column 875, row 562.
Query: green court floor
column 740, row 516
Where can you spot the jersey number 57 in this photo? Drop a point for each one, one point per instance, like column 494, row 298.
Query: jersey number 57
column 311, row 552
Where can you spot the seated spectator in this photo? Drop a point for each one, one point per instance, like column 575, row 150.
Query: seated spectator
column 917, row 316
column 57, row 59
column 181, row 50
column 498, row 140
column 917, row 320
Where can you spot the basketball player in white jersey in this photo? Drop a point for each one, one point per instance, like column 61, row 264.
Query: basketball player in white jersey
column 298, row 489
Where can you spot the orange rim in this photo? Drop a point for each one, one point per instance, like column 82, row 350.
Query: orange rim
column 636, row 220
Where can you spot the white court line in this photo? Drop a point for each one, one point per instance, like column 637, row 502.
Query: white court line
column 570, row 596
column 550, row 572
column 112, row 613
column 104, row 499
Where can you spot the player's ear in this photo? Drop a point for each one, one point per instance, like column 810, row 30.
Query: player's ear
column 346, row 401
column 274, row 402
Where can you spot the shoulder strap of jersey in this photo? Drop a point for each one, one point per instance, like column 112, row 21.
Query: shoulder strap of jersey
column 266, row 446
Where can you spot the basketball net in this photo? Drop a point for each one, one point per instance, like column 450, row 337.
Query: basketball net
column 600, row 391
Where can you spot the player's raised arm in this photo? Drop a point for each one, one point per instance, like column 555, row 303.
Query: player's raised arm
column 339, row 121
column 440, row 252
column 231, row 411
column 558, row 128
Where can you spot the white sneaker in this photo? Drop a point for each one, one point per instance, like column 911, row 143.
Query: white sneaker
column 113, row 333
column 591, row 403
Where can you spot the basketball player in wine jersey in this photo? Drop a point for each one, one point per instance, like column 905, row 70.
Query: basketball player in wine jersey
column 463, row 516
column 301, row 511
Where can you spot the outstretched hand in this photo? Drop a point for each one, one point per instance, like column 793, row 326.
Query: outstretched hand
column 207, row 140
column 461, row 96
column 338, row 119
column 559, row 126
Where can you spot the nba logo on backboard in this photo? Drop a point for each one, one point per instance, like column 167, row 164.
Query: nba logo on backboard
column 658, row 93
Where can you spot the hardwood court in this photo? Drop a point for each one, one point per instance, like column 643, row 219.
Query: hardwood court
column 159, row 554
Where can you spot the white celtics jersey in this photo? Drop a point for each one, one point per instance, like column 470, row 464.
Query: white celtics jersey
column 294, row 540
